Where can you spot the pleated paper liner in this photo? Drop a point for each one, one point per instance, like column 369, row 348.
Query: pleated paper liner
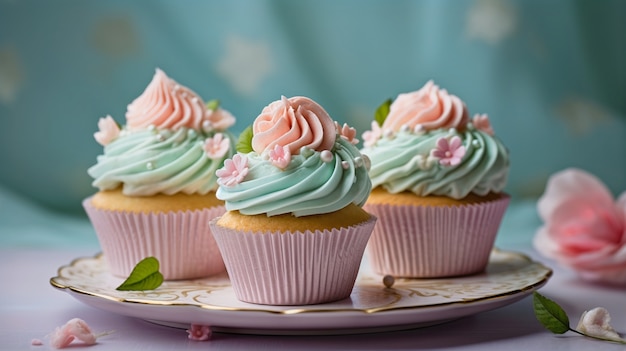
column 293, row 268
column 430, row 242
column 181, row 241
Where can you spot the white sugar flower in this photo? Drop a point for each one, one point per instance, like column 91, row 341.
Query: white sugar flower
column 597, row 323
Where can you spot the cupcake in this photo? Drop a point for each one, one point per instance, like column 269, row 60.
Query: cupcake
column 156, row 182
column 294, row 232
column 438, row 180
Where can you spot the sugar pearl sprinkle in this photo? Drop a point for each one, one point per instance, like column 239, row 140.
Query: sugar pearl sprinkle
column 388, row 281
column 476, row 143
column 367, row 162
column 150, row 165
column 207, row 126
column 388, row 133
column 345, row 164
column 305, row 151
column 326, row 156
column 358, row 161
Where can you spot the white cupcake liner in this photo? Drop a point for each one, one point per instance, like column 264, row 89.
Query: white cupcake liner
column 181, row 241
column 429, row 242
column 293, row 268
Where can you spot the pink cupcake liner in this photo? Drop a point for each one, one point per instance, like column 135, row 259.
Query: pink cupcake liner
column 293, row 268
column 181, row 241
column 428, row 242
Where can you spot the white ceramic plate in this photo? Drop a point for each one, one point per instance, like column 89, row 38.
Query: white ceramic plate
column 409, row 303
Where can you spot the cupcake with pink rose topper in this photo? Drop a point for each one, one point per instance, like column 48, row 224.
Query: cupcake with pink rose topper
column 294, row 232
column 438, row 179
column 156, row 182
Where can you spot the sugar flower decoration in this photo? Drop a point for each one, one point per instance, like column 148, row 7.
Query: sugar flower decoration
column 450, row 152
column 346, row 132
column 74, row 329
column 370, row 137
column 217, row 146
column 109, row 130
column 482, row 123
column 198, row 332
column 217, row 119
column 597, row 323
column 584, row 227
column 233, row 172
column 280, row 156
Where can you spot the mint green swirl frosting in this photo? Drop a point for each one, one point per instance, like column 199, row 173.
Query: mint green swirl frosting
column 153, row 161
column 402, row 163
column 307, row 186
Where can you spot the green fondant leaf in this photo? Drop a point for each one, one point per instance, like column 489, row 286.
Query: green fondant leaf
column 145, row 276
column 244, row 144
column 382, row 111
column 213, row 105
column 550, row 314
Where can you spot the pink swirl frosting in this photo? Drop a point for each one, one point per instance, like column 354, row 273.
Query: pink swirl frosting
column 294, row 123
column 165, row 104
column 428, row 108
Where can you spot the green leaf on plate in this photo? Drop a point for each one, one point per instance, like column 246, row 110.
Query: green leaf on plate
column 382, row 111
column 145, row 276
column 213, row 105
column 550, row 314
column 244, row 144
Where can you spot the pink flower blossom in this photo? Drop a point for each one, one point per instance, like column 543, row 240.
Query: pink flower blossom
column 199, row 332
column 482, row 123
column 450, row 152
column 74, row 329
column 584, row 227
column 217, row 146
column 233, row 172
column 109, row 130
column 218, row 119
column 370, row 137
column 280, row 156
column 347, row 132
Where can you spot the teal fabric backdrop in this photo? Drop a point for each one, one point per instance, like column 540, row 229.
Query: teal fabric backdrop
column 550, row 74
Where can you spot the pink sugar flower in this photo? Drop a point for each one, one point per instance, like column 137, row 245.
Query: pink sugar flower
column 370, row 137
column 584, row 227
column 218, row 119
column 217, row 146
column 450, row 152
column 199, row 332
column 233, row 172
column 109, row 130
column 74, row 329
column 482, row 123
column 347, row 132
column 280, row 156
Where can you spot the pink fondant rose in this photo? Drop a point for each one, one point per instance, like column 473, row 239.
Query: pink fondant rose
column 584, row 227
column 166, row 104
column 428, row 108
column 295, row 123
